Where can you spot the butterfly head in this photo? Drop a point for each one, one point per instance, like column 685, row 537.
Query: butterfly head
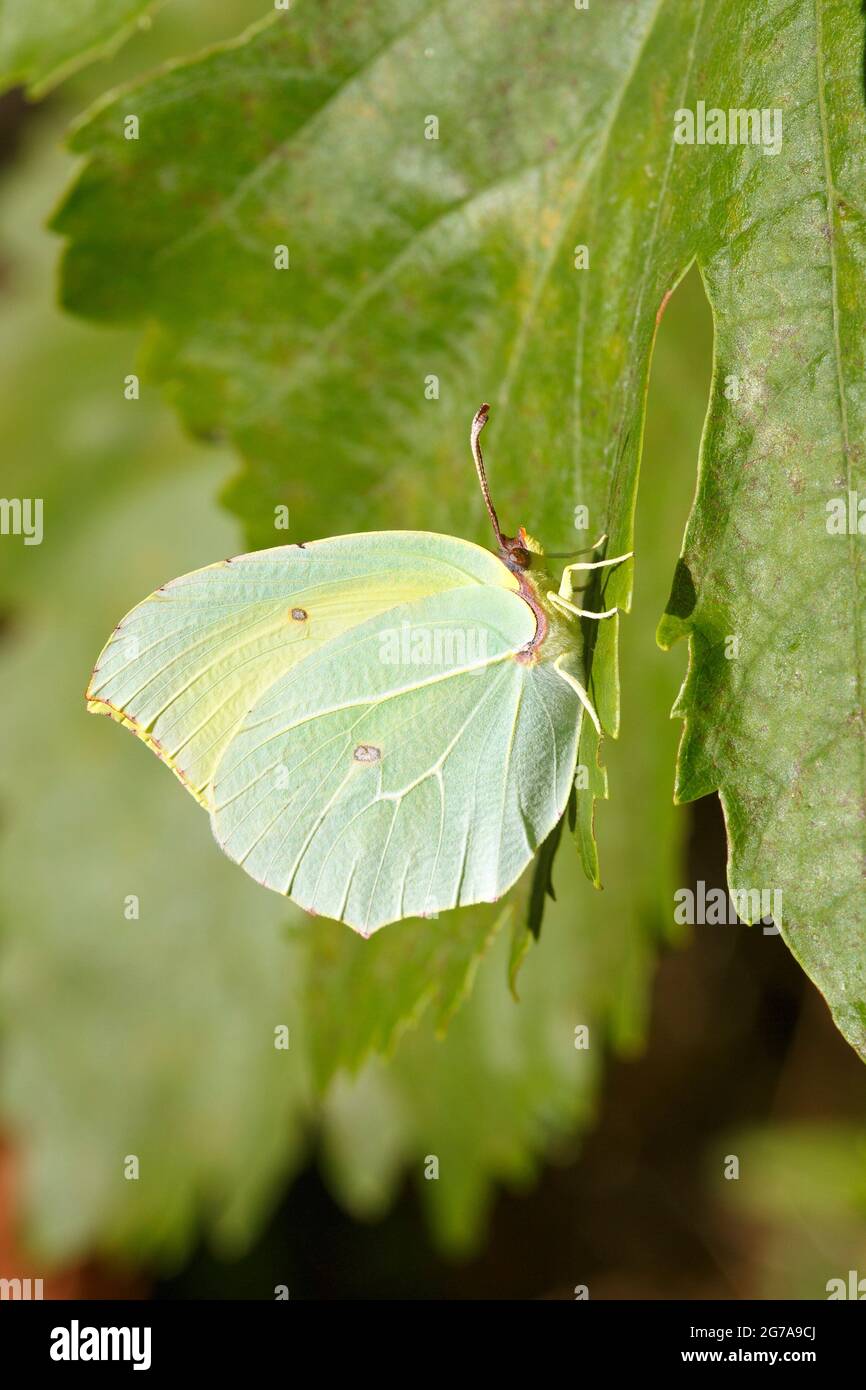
column 520, row 551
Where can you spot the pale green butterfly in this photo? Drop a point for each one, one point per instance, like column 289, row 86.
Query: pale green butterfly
column 380, row 726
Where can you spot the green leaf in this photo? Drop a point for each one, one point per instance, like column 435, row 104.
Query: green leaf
column 775, row 717
column 454, row 258
column 42, row 43
column 592, row 787
column 542, row 874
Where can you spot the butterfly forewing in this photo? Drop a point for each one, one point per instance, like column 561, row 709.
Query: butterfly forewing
column 184, row 667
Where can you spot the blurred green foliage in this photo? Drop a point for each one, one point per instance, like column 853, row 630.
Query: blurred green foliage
column 800, row 1199
column 42, row 43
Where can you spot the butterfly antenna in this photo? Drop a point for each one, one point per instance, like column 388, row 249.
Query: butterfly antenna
column 478, row 422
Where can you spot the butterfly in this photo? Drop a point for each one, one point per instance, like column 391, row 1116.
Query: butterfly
column 380, row 726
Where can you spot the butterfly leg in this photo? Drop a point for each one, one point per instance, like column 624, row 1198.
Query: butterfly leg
column 565, row 606
column 562, row 601
column 566, row 589
column 579, row 692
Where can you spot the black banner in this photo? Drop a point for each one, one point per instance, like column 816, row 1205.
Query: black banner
column 153, row 1338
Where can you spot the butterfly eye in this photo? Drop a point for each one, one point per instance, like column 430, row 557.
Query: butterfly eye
column 514, row 554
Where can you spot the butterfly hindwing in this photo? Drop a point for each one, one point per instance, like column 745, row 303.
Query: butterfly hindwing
column 369, row 790
column 358, row 716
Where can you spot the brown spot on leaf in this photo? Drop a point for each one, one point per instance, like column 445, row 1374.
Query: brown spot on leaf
column 367, row 753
